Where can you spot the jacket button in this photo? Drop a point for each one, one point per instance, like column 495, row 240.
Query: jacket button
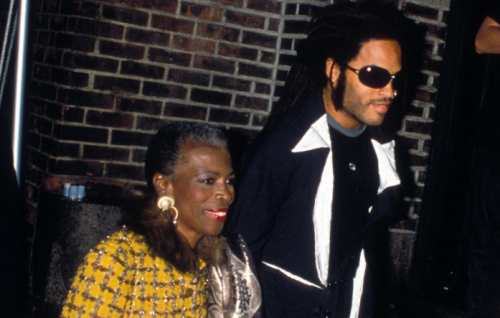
column 327, row 313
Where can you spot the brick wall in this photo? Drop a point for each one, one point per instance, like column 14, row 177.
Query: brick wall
column 107, row 74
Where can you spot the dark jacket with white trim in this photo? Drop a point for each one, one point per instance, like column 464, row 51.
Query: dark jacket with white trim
column 283, row 211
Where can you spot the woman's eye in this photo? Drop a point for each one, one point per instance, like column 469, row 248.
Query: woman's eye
column 231, row 181
column 208, row 181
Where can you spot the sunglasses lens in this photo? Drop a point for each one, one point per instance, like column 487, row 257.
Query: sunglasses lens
column 374, row 77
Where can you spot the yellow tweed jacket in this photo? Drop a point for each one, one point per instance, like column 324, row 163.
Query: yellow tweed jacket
column 120, row 278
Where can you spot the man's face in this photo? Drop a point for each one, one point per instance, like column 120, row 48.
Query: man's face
column 363, row 105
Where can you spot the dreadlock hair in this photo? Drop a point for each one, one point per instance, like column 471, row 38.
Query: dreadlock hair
column 338, row 31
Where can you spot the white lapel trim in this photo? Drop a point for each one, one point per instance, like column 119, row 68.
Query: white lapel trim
column 386, row 165
column 318, row 136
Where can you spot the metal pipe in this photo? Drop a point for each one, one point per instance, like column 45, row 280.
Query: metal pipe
column 8, row 43
column 19, row 99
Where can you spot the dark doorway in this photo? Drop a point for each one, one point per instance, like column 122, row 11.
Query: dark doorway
column 440, row 262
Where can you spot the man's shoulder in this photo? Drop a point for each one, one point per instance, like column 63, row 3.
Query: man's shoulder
column 286, row 130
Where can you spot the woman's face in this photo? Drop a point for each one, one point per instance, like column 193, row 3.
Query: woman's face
column 203, row 189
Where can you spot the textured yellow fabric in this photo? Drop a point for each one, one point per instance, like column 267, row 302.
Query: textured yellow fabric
column 120, row 278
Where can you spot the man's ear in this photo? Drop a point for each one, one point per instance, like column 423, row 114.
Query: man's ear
column 162, row 184
column 332, row 69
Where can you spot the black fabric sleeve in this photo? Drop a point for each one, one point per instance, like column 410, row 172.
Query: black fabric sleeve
column 492, row 9
column 259, row 197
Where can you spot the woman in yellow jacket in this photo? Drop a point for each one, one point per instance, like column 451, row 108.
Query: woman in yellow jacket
column 169, row 259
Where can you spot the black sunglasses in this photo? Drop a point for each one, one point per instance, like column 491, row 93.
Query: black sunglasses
column 373, row 76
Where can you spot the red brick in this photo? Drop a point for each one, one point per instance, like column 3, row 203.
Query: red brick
column 418, row 127
column 262, row 88
column 81, row 61
column 273, row 25
column 308, row 9
column 82, row 98
column 227, row 116
column 257, row 39
column 75, row 42
column 201, row 12
column 76, row 167
column 80, row 8
column 105, row 153
column 124, row 171
column 42, row 22
column 291, row 9
column 38, row 54
column 171, row 24
column 125, row 15
column 58, row 23
column 268, row 57
column 253, row 70
column 41, row 72
column 421, row 11
column 53, row 57
column 43, row 126
column 60, row 149
column 51, row 6
column 116, row 84
column 231, row 83
column 39, row 160
column 217, row 32
column 70, row 78
column 133, row 52
column 64, row 113
column 33, row 140
column 143, row 70
column 108, row 119
column 42, row 90
column 254, row 103
column 286, row 59
column 36, row 106
column 210, row 97
column 232, row 3
column 286, row 44
column 246, row 20
column 164, row 90
column 185, row 111
column 147, row 37
column 138, row 106
column 214, row 64
column 161, row 5
column 295, row 27
column 259, row 120
column 130, row 138
column 243, row 133
column 237, row 52
column 188, row 77
column 193, row 45
column 150, row 123
column 265, row 6
column 138, row 155
column 81, row 133
column 95, row 28
column 164, row 56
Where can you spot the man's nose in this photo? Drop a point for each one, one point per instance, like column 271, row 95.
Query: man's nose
column 388, row 90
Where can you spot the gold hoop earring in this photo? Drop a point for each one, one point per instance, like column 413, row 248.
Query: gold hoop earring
column 395, row 94
column 165, row 203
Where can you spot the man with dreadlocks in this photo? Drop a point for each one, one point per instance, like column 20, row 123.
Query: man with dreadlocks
column 316, row 180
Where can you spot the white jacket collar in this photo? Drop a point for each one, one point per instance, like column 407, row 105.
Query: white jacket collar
column 317, row 136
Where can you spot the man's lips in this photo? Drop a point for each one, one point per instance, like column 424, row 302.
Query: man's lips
column 381, row 107
column 217, row 214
